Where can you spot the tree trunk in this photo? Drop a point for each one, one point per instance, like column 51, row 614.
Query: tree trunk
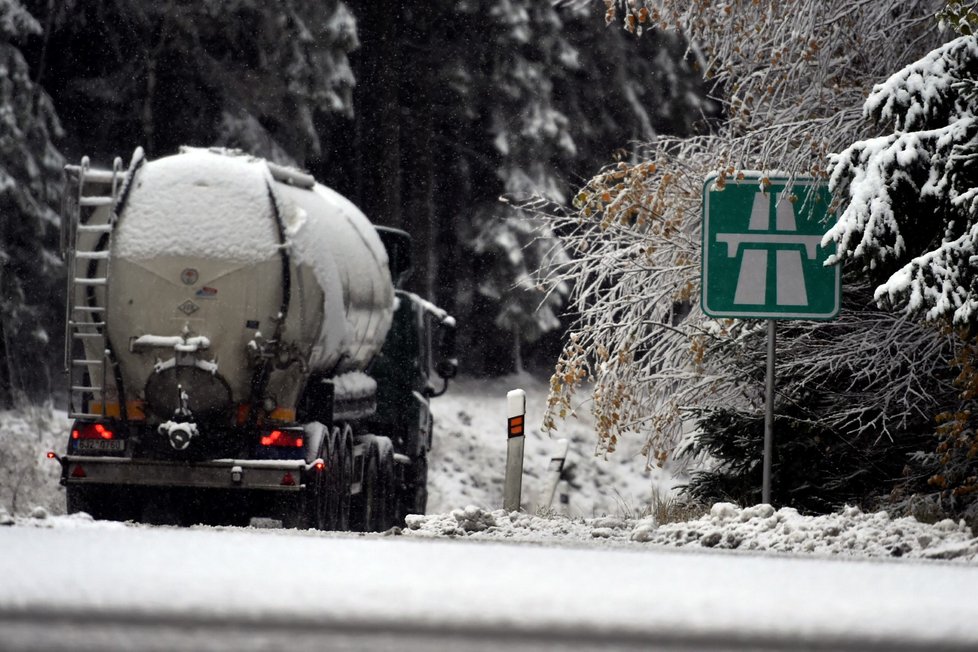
column 417, row 156
column 6, row 379
column 377, row 157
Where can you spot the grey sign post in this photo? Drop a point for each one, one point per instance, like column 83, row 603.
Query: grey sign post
column 516, row 415
column 763, row 259
column 554, row 471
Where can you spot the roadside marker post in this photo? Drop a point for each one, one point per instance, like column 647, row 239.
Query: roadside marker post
column 763, row 259
column 515, row 431
column 554, row 472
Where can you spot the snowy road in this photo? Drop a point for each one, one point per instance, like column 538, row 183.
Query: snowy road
column 107, row 586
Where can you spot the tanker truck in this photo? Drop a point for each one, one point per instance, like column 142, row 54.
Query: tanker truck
column 238, row 345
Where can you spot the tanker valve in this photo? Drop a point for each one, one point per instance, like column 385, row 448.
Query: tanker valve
column 179, row 433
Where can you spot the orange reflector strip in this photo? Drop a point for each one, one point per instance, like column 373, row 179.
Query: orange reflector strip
column 242, row 416
column 282, row 414
column 516, row 426
column 134, row 410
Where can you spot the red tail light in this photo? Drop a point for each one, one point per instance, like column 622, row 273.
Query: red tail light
column 283, row 439
column 91, row 431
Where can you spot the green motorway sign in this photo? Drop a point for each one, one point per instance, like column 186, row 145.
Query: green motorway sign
column 762, row 253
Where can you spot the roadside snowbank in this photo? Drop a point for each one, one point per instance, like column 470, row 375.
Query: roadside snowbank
column 849, row 533
column 759, row 529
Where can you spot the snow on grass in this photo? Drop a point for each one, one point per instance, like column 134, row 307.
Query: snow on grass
column 468, row 458
column 611, row 508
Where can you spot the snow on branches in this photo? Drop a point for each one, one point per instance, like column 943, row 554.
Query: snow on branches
column 911, row 196
column 791, row 77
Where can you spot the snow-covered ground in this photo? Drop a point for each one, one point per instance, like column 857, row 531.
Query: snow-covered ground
column 468, row 457
column 74, row 565
column 467, row 462
column 611, row 507
column 27, row 478
column 607, row 570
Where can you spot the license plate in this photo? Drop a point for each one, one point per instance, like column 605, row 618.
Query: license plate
column 114, row 445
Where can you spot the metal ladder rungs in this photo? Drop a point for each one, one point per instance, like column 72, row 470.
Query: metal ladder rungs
column 87, row 365
column 94, row 228
column 89, row 174
column 92, row 255
column 95, row 201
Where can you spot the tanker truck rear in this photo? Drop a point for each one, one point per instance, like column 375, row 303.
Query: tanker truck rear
column 237, row 347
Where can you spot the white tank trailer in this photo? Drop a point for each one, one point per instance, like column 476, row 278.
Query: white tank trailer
column 236, row 346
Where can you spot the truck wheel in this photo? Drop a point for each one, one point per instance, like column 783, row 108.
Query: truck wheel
column 414, row 494
column 363, row 515
column 345, row 479
column 386, row 498
column 334, row 478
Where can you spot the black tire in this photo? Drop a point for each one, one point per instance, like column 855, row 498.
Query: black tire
column 413, row 497
column 344, row 509
column 375, row 505
column 363, row 515
column 334, row 479
column 385, row 498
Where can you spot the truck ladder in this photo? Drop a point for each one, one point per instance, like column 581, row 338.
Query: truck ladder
column 86, row 243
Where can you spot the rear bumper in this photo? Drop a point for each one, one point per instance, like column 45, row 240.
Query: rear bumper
column 266, row 475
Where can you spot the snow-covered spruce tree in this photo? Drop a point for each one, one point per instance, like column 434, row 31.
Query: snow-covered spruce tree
column 909, row 219
column 791, row 77
column 30, row 173
column 249, row 74
column 547, row 120
column 521, row 247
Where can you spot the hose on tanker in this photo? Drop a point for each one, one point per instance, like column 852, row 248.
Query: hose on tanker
column 260, row 378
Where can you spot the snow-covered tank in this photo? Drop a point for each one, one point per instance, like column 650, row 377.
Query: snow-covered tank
column 232, row 280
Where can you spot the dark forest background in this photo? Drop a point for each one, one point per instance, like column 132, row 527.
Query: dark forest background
column 423, row 112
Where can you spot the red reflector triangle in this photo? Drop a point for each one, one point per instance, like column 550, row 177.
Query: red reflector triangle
column 78, row 472
column 288, row 480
